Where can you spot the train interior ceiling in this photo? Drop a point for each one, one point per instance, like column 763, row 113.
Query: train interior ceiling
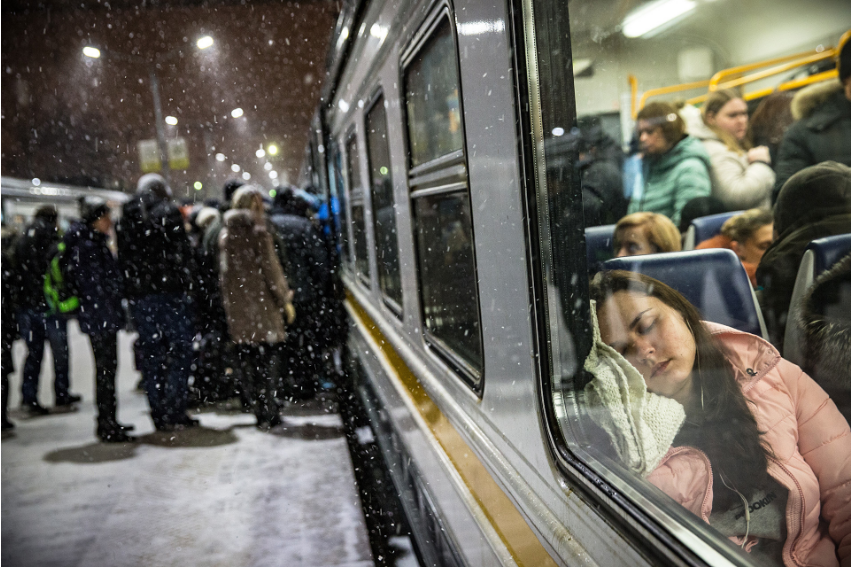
column 710, row 36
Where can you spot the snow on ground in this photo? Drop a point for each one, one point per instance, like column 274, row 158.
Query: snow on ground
column 221, row 494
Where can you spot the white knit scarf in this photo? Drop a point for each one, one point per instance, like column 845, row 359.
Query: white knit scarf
column 641, row 425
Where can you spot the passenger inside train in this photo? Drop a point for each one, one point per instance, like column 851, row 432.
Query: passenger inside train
column 756, row 442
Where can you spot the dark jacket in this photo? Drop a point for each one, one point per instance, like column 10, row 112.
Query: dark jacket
column 306, row 255
column 9, row 304
column 824, row 318
column 821, row 133
column 33, row 252
column 154, row 253
column 813, row 204
column 96, row 278
column 603, row 192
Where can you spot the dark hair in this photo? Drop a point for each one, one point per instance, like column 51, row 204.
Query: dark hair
column 665, row 116
column 46, row 213
column 722, row 426
column 230, row 188
column 699, row 207
column 770, row 120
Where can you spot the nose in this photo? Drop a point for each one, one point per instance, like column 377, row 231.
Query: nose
column 643, row 349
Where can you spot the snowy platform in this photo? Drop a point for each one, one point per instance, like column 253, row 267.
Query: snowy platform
column 221, row 494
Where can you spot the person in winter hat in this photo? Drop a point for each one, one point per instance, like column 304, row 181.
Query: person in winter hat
column 157, row 265
column 98, row 283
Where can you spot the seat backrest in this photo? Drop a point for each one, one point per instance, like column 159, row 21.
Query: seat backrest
column 599, row 245
column 820, row 255
column 713, row 280
column 702, row 228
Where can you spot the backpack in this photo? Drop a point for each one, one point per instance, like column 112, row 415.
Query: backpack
column 59, row 290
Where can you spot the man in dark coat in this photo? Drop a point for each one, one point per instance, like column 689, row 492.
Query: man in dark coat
column 98, row 283
column 813, row 204
column 33, row 252
column 308, row 275
column 822, row 132
column 156, row 261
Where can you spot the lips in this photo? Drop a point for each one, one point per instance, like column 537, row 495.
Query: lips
column 659, row 368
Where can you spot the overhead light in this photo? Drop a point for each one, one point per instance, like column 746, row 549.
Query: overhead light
column 273, row 149
column 92, row 52
column 220, row 157
column 379, row 32
column 237, row 112
column 558, row 131
column 260, row 153
column 36, row 181
column 273, row 175
column 171, row 120
column 197, row 185
column 204, row 42
column 235, row 168
column 650, row 19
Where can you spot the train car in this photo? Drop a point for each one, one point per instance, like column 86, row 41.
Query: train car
column 448, row 134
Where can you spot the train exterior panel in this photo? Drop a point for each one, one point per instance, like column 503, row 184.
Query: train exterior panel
column 475, row 407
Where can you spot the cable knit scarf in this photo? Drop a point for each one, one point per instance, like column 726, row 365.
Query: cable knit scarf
column 641, row 425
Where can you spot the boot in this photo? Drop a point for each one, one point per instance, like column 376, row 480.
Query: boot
column 112, row 432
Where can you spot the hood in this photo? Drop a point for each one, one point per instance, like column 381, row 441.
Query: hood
column 694, row 123
column 239, row 220
column 702, row 131
column 809, row 99
column 689, row 147
column 154, row 183
column 80, row 232
column 751, row 356
column 812, row 194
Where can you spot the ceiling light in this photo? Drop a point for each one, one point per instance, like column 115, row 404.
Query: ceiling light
column 650, row 19
column 260, row 153
column 205, row 42
column 171, row 120
column 92, row 52
column 197, row 185
column 273, row 175
column 273, row 149
column 237, row 112
column 220, row 157
column 235, row 168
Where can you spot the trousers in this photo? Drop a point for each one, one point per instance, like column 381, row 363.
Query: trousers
column 35, row 327
column 105, row 350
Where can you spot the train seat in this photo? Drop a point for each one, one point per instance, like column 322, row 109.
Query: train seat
column 599, row 245
column 820, row 255
column 702, row 228
column 713, row 280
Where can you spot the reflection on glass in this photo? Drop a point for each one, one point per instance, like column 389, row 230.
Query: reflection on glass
column 381, row 187
column 447, row 275
column 339, row 193
column 356, row 195
column 432, row 98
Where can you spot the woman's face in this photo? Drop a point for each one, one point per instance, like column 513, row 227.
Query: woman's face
column 654, row 338
column 752, row 250
column 651, row 138
column 633, row 241
column 732, row 118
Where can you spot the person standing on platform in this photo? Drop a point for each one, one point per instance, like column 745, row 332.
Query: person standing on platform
column 33, row 252
column 97, row 280
column 257, row 300
column 155, row 260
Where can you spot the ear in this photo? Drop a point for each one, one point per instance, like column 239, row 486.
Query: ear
column 736, row 247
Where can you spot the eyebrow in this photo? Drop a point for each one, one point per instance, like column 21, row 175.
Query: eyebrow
column 631, row 326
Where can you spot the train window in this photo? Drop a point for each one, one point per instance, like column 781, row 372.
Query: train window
column 441, row 202
column 384, row 212
column 609, row 149
column 356, row 198
column 338, row 194
column 432, row 99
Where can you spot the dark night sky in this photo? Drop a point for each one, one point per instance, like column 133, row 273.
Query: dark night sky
column 69, row 118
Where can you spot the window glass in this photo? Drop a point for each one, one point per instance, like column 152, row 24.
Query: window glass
column 445, row 246
column 381, row 188
column 635, row 126
column 443, row 229
column 356, row 196
column 432, row 98
column 338, row 203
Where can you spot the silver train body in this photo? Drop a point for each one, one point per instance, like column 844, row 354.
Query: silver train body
column 482, row 457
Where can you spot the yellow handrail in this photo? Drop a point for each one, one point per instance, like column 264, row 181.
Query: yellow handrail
column 794, row 84
column 672, row 89
column 740, row 69
column 634, row 88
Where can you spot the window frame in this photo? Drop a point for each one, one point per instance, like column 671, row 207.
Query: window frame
column 375, row 98
column 444, row 175
column 357, row 198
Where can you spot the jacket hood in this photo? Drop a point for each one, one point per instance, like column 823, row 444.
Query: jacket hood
column 813, row 194
column 689, row 147
column 239, row 219
column 811, row 98
column 695, row 125
column 751, row 356
column 154, row 183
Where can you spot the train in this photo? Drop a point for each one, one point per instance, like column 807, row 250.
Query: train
column 444, row 136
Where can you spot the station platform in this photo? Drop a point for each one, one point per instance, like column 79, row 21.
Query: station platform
column 220, row 494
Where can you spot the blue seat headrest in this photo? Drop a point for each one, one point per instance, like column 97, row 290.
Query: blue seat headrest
column 828, row 250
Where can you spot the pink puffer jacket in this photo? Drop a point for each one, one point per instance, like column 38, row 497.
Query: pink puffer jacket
column 810, row 440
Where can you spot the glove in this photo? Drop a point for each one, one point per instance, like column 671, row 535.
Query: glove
column 289, row 313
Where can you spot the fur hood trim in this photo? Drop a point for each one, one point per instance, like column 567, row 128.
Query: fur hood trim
column 810, row 98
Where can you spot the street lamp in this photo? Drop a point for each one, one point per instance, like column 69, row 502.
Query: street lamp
column 95, row 53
